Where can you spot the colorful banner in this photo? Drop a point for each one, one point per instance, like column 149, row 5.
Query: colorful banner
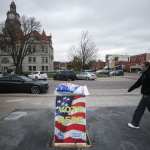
column 70, row 119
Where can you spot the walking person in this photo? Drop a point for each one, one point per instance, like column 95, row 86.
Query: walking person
column 144, row 82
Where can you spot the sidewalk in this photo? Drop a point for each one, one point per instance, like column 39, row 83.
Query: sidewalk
column 107, row 127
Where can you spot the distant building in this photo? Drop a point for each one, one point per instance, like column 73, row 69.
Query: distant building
column 60, row 65
column 115, row 60
column 41, row 59
column 98, row 65
column 137, row 60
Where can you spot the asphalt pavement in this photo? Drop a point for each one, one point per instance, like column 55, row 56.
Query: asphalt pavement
column 107, row 129
column 27, row 121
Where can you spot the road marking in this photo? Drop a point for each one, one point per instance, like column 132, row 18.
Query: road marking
column 36, row 103
column 15, row 115
column 15, row 100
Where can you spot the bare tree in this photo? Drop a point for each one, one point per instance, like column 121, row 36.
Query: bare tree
column 75, row 64
column 18, row 42
column 85, row 52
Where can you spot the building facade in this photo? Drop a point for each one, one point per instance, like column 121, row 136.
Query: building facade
column 118, row 60
column 60, row 65
column 98, row 65
column 42, row 57
column 136, row 61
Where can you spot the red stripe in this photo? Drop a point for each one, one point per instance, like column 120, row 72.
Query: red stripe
column 79, row 104
column 63, row 128
column 68, row 140
column 79, row 114
column 77, row 96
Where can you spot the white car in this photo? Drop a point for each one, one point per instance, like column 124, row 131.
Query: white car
column 38, row 75
column 86, row 76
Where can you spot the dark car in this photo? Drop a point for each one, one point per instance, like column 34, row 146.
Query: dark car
column 65, row 75
column 103, row 72
column 16, row 83
column 117, row 73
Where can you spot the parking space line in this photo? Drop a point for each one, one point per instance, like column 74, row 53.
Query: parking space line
column 14, row 100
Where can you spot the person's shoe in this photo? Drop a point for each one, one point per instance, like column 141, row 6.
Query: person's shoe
column 133, row 126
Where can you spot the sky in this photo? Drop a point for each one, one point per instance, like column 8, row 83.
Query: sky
column 116, row 26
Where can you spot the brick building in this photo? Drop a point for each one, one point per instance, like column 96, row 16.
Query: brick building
column 137, row 60
column 98, row 65
column 112, row 61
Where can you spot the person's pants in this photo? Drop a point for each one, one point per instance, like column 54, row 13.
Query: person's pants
column 143, row 104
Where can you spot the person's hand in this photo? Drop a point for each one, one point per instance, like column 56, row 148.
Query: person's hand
column 129, row 90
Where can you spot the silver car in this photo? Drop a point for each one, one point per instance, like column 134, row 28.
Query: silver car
column 86, row 76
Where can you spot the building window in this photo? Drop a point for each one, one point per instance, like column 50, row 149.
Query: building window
column 4, row 68
column 42, row 68
column 32, row 59
column 34, row 49
column 46, row 68
column 32, row 68
column 42, row 47
column 46, row 50
column 44, row 59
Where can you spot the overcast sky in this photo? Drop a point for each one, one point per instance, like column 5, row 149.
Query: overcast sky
column 116, row 26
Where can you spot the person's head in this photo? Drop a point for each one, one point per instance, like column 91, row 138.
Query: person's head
column 146, row 66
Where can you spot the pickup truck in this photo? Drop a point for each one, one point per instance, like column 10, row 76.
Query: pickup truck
column 38, row 75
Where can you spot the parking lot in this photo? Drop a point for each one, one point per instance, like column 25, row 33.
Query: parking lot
column 109, row 109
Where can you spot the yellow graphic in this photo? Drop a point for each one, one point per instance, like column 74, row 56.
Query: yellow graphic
column 72, row 109
column 70, row 120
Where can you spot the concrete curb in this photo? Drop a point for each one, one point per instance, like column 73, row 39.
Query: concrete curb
column 27, row 95
column 132, row 78
column 52, row 95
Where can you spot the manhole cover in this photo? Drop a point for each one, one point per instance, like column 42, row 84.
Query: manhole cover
column 15, row 115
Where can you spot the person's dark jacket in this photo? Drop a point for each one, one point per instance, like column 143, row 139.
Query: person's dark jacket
column 143, row 81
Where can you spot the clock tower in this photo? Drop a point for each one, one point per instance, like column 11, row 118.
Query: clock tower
column 12, row 23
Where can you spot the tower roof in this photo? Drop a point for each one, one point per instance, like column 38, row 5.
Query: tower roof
column 44, row 36
column 13, row 6
column 43, row 33
column 13, row 3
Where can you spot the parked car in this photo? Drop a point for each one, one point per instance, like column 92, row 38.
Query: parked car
column 103, row 72
column 38, row 75
column 65, row 75
column 116, row 73
column 139, row 73
column 16, row 83
column 89, row 70
column 86, row 76
column 1, row 74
